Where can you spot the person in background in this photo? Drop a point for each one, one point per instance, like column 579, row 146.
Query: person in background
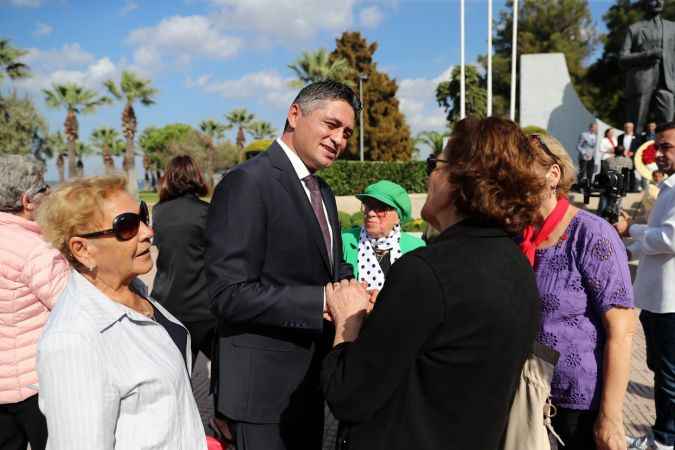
column 616, row 164
column 435, row 365
column 32, row 274
column 654, row 244
column 607, row 145
column 179, row 224
column 372, row 248
column 587, row 308
column 649, row 134
column 114, row 365
column 586, row 148
column 658, row 176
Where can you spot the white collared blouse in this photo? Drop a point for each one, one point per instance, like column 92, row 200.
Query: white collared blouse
column 111, row 378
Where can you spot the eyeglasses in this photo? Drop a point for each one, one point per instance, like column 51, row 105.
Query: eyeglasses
column 125, row 226
column 432, row 162
column 39, row 190
column 378, row 208
column 548, row 151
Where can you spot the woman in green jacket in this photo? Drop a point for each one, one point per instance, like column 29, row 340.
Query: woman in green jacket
column 372, row 248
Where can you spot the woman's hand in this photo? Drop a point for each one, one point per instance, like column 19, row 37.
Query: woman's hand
column 348, row 303
column 609, row 433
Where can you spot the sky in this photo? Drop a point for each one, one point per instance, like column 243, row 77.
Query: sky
column 207, row 57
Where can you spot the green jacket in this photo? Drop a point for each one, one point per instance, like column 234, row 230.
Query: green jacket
column 350, row 246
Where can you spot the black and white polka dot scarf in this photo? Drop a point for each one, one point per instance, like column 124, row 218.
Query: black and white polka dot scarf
column 369, row 269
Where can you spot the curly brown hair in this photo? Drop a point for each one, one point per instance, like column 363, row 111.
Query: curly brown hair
column 492, row 172
column 182, row 176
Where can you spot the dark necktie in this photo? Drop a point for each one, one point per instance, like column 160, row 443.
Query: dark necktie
column 317, row 205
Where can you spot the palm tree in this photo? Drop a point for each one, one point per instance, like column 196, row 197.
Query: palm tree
column 132, row 88
column 214, row 131
column 82, row 149
column 76, row 100
column 108, row 140
column 432, row 139
column 261, row 130
column 241, row 119
column 57, row 145
column 317, row 66
column 9, row 61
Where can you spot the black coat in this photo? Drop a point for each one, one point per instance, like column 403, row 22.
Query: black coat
column 437, row 361
column 180, row 237
column 267, row 266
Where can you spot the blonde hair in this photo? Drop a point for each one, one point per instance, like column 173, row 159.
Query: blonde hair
column 560, row 157
column 73, row 209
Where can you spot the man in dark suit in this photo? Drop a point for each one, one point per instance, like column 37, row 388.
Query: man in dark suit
column 648, row 59
column 273, row 245
column 629, row 142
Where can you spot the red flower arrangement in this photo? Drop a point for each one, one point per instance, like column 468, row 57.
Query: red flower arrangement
column 649, row 154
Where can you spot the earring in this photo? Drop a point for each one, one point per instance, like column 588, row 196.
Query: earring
column 92, row 267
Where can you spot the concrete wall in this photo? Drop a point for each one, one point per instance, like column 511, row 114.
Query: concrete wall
column 548, row 100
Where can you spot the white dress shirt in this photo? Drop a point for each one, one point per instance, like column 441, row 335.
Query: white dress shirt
column 654, row 286
column 301, row 171
column 112, row 378
column 606, row 149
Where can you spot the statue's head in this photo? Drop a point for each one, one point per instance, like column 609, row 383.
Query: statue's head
column 653, row 7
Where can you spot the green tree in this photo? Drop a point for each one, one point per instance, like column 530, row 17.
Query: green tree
column 241, row 119
column 448, row 94
column 58, row 146
column 155, row 141
column 214, row 132
column 544, row 26
column 82, row 149
column 131, row 89
column 386, row 133
column 110, row 143
column 10, row 66
column 605, row 80
column 433, row 140
column 261, row 130
column 318, row 66
column 75, row 99
column 21, row 124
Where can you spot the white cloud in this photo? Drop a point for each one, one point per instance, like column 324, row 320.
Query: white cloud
column 26, row 3
column 42, row 29
column 268, row 86
column 92, row 76
column 417, row 97
column 289, row 20
column 67, row 56
column 179, row 39
column 371, row 17
column 128, row 7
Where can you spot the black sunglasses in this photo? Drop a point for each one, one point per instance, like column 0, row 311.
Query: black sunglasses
column 41, row 189
column 125, row 226
column 548, row 151
column 432, row 161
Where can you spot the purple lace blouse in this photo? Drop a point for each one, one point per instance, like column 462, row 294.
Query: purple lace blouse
column 580, row 278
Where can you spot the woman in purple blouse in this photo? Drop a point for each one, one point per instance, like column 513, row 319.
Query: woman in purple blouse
column 587, row 311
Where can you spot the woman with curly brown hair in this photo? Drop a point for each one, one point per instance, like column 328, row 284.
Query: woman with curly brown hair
column 586, row 300
column 435, row 365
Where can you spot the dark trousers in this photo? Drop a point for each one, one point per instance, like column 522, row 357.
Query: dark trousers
column 22, row 423
column 575, row 428
column 274, row 436
column 660, row 339
column 586, row 169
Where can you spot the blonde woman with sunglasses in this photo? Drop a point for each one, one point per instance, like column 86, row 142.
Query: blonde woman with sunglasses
column 114, row 365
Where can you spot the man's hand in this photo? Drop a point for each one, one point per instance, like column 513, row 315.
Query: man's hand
column 623, row 225
column 348, row 303
column 372, row 299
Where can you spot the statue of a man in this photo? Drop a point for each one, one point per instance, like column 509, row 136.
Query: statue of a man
column 648, row 60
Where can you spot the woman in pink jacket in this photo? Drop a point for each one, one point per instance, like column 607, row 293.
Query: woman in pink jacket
column 32, row 274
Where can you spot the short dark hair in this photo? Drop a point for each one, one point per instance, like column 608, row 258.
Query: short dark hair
column 665, row 126
column 182, row 176
column 619, row 150
column 314, row 93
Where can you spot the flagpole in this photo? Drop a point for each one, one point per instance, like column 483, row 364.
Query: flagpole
column 514, row 61
column 489, row 61
column 462, row 80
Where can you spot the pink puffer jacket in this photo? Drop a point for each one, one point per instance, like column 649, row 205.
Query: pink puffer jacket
column 32, row 275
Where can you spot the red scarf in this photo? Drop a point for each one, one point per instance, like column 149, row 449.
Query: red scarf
column 532, row 239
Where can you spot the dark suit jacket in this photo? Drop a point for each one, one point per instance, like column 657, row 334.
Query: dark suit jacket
column 634, row 143
column 267, row 267
column 180, row 237
column 436, row 363
column 642, row 72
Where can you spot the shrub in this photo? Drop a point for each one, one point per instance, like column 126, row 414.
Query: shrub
column 533, row 129
column 345, row 220
column 352, row 177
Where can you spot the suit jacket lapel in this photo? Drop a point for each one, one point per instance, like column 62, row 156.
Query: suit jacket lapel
column 331, row 210
column 288, row 178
